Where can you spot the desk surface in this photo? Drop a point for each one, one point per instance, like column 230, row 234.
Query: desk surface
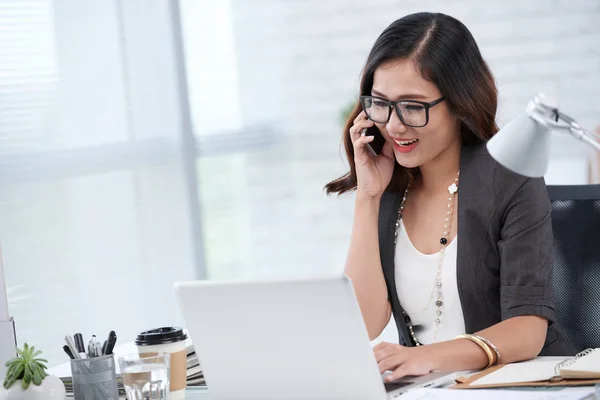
column 441, row 393
column 581, row 393
column 190, row 394
column 202, row 393
column 197, row 394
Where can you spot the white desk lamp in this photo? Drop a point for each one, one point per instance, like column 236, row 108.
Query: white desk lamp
column 8, row 338
column 523, row 145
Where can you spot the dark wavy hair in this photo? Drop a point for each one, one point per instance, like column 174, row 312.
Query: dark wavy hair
column 447, row 55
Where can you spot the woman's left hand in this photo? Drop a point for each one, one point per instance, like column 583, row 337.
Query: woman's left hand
column 403, row 361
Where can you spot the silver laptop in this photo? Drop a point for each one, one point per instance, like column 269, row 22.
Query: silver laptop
column 300, row 339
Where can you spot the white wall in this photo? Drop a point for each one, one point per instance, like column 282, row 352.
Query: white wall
column 304, row 58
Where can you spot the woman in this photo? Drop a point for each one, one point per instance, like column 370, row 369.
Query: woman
column 452, row 244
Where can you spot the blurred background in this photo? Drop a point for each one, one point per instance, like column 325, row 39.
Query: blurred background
column 144, row 142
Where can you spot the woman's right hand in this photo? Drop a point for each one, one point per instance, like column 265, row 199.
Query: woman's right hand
column 373, row 173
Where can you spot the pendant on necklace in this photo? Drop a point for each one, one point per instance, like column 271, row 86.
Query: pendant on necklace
column 452, row 188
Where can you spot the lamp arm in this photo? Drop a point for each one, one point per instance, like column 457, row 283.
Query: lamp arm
column 586, row 137
column 569, row 124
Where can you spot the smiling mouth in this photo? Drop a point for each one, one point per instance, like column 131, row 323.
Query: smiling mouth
column 406, row 143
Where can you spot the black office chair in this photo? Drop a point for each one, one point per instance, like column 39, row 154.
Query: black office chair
column 576, row 225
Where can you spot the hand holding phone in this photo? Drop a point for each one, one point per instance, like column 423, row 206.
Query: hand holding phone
column 373, row 157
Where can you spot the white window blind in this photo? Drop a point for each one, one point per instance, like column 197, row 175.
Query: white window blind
column 28, row 75
column 97, row 212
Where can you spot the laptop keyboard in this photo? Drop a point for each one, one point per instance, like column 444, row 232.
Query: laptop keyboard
column 390, row 387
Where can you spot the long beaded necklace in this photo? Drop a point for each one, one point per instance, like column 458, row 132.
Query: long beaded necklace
column 439, row 303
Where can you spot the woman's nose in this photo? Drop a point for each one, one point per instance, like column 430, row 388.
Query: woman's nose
column 395, row 124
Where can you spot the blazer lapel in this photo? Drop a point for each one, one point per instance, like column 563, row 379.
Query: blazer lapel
column 466, row 194
column 473, row 194
column 388, row 213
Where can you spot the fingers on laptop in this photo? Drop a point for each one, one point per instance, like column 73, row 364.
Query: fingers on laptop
column 389, row 357
column 400, row 361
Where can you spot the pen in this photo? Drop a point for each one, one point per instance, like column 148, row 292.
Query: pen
column 79, row 343
column 112, row 340
column 98, row 349
column 71, row 345
column 68, row 351
column 92, row 347
column 104, row 347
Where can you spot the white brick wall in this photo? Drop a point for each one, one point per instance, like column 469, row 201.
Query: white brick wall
column 299, row 63
column 306, row 55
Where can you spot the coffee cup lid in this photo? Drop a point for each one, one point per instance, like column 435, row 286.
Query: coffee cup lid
column 160, row 336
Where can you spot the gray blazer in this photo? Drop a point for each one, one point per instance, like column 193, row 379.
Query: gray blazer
column 504, row 261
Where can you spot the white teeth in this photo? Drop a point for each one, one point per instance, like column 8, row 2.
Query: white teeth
column 405, row 142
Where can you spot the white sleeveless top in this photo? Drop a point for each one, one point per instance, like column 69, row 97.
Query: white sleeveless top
column 415, row 283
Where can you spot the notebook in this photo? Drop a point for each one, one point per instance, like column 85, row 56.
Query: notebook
column 586, row 365
column 583, row 369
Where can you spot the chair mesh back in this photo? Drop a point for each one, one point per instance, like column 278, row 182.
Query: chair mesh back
column 576, row 225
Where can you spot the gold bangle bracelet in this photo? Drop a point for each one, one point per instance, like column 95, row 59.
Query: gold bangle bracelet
column 491, row 346
column 483, row 345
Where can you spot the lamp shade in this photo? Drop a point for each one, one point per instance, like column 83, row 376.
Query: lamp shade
column 523, row 146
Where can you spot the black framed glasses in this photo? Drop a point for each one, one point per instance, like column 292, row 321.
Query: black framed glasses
column 412, row 113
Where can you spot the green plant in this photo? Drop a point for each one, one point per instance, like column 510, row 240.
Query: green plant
column 27, row 367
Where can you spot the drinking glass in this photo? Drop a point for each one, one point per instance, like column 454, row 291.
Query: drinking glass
column 145, row 377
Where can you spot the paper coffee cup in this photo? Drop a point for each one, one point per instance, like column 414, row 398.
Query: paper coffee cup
column 168, row 340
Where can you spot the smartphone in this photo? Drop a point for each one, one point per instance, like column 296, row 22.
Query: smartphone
column 376, row 146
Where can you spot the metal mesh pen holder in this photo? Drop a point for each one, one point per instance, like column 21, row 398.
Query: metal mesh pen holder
column 95, row 378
